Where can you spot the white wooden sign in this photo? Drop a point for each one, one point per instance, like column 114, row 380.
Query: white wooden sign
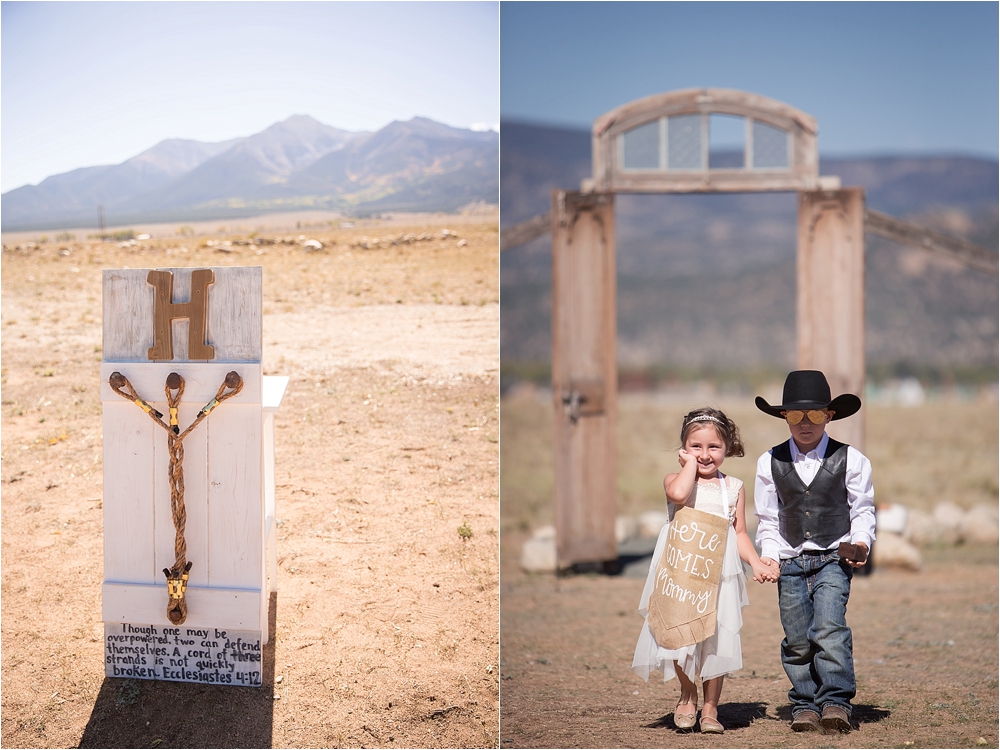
column 228, row 475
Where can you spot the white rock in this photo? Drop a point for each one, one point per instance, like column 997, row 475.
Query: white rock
column 544, row 532
column 948, row 517
column 651, row 522
column 911, row 393
column 891, row 518
column 921, row 528
column 310, row 245
column 981, row 525
column 539, row 556
column 626, row 527
column 891, row 550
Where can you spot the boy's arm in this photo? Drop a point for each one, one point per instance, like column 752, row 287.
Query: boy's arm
column 765, row 501
column 861, row 496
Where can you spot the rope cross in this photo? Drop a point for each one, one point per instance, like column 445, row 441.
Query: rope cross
column 177, row 576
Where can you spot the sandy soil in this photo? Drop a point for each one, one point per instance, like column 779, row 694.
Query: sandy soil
column 385, row 623
column 925, row 647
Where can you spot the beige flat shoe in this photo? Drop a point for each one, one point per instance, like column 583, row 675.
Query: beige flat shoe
column 685, row 721
column 709, row 725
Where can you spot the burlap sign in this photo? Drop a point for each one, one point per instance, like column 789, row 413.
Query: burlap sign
column 686, row 591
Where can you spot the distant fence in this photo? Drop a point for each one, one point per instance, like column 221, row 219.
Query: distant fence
column 876, row 223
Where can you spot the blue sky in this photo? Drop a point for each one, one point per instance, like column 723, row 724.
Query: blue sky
column 85, row 84
column 895, row 77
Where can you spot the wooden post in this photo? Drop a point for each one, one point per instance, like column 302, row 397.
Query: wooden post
column 227, row 466
column 584, row 377
column 831, row 296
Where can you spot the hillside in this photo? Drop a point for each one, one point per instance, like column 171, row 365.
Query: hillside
column 923, row 315
column 418, row 165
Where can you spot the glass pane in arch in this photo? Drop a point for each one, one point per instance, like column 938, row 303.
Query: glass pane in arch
column 641, row 147
column 770, row 147
column 684, row 142
column 726, row 141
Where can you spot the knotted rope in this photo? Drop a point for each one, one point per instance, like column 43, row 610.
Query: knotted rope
column 177, row 576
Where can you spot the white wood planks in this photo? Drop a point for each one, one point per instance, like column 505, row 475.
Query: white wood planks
column 235, row 498
column 224, row 462
column 147, row 604
column 128, row 493
column 273, row 392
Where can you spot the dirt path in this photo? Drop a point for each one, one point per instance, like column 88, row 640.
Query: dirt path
column 385, row 621
column 925, row 650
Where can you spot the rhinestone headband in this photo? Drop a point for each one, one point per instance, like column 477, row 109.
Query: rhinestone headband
column 706, row 418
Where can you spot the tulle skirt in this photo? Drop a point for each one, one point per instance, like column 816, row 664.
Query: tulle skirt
column 717, row 655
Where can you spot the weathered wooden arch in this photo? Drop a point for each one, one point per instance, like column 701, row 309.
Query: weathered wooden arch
column 660, row 144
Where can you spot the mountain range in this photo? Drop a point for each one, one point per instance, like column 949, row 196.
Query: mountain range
column 417, row 165
column 738, row 251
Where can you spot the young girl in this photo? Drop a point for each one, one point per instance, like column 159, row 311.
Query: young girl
column 708, row 437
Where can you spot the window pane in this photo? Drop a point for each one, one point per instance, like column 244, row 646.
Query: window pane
column 770, row 147
column 726, row 141
column 641, row 147
column 684, row 142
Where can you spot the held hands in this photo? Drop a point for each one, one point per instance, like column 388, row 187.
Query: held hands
column 765, row 570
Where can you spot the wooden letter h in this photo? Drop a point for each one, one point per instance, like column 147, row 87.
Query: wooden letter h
column 165, row 311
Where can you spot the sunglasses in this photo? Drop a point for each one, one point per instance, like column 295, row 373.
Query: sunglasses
column 816, row 416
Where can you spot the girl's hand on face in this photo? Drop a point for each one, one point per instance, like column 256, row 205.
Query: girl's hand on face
column 684, row 458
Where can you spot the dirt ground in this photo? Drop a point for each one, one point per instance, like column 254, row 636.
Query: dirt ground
column 925, row 647
column 925, row 643
column 385, row 626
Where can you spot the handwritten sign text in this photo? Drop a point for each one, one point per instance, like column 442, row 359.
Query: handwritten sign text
column 208, row 655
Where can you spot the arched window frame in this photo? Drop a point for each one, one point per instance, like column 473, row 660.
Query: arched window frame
column 610, row 175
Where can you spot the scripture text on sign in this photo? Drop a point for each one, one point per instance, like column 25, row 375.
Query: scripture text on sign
column 208, row 655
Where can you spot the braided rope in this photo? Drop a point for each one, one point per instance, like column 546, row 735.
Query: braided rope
column 177, row 575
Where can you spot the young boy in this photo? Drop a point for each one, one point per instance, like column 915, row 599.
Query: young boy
column 813, row 495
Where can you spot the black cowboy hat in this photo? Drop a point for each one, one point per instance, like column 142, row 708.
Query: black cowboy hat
column 808, row 389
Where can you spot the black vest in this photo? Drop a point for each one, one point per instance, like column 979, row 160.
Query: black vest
column 818, row 513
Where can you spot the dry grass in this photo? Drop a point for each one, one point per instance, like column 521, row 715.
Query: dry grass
column 920, row 456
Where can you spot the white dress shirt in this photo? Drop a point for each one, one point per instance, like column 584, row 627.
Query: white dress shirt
column 860, row 495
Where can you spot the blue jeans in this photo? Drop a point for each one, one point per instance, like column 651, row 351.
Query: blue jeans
column 817, row 652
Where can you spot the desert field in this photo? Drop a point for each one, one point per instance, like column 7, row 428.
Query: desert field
column 925, row 643
column 385, row 628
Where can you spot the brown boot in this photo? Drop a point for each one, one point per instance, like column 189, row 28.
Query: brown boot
column 835, row 719
column 806, row 721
